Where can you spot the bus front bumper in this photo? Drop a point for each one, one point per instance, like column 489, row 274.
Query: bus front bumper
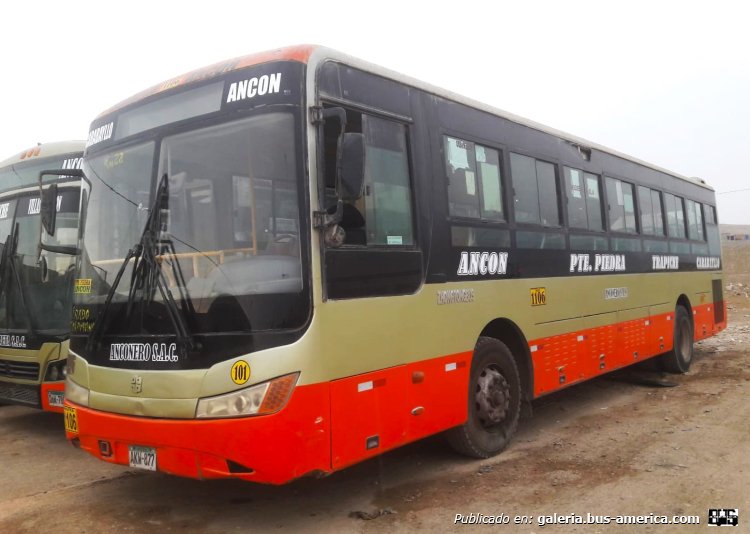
column 48, row 396
column 270, row 449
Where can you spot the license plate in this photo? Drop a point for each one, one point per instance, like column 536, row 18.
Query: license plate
column 142, row 457
column 71, row 420
column 56, row 398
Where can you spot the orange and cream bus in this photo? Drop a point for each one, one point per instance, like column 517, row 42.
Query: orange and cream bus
column 297, row 260
column 36, row 273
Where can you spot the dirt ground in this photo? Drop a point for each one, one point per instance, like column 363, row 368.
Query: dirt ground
column 613, row 446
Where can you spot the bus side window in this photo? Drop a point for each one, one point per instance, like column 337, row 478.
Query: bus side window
column 387, row 201
column 474, row 182
column 535, row 187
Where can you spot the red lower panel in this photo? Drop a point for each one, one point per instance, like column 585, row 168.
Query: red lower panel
column 375, row 412
column 51, row 391
column 278, row 447
column 562, row 360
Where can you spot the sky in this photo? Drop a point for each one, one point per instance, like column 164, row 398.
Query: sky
column 667, row 82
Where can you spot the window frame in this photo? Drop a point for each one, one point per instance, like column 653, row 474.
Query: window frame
column 636, row 208
column 575, row 229
column 465, row 220
column 562, row 224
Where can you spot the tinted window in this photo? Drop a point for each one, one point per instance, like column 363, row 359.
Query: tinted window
column 621, row 203
column 675, row 216
column 695, row 220
column 535, row 187
column 474, row 180
column 584, row 199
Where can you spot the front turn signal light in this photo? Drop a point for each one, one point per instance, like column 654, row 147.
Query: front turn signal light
column 260, row 399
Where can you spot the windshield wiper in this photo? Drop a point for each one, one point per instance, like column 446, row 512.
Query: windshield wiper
column 148, row 277
column 8, row 260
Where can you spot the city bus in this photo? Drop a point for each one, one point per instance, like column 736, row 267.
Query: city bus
column 36, row 273
column 297, row 260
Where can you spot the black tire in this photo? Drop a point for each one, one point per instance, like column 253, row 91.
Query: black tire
column 678, row 360
column 494, row 402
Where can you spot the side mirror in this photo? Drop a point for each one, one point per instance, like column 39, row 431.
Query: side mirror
column 49, row 196
column 352, row 166
column 49, row 209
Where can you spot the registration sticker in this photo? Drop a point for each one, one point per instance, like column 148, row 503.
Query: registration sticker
column 71, row 420
column 56, row 398
column 142, row 457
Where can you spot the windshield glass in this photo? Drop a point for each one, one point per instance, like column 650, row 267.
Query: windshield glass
column 30, row 294
column 228, row 240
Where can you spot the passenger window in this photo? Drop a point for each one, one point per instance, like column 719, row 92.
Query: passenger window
column 474, row 180
column 695, row 220
column 649, row 203
column 535, row 187
column 584, row 199
column 675, row 216
column 620, row 200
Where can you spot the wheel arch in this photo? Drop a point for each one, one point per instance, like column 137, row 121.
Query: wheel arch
column 509, row 333
column 684, row 301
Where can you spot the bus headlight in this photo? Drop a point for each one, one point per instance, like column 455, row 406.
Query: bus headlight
column 267, row 397
column 55, row 371
column 75, row 393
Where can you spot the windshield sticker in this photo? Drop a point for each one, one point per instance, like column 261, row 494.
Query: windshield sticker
column 102, row 133
column 4, row 210
column 240, row 372
column 15, row 342
column 474, row 263
column 82, row 323
column 143, row 352
column 605, row 263
column 258, row 86
column 82, row 286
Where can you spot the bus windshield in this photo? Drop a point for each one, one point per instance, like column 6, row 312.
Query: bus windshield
column 228, row 247
column 33, row 298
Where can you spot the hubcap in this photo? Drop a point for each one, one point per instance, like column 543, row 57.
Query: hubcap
column 492, row 397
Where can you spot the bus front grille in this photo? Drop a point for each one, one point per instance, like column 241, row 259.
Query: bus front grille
column 24, row 370
column 20, row 394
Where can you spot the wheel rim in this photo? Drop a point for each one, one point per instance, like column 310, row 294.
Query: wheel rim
column 492, row 397
column 686, row 342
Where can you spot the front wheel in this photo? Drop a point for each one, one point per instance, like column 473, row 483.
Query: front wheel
column 494, row 402
column 678, row 360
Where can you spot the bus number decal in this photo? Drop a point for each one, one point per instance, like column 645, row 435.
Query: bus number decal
column 240, row 372
column 538, row 296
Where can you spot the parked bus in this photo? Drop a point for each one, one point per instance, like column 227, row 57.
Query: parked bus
column 297, row 260
column 36, row 273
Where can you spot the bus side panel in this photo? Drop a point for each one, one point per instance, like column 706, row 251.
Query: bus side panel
column 369, row 415
column 438, row 392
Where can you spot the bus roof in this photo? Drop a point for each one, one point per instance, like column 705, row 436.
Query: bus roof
column 314, row 55
column 44, row 150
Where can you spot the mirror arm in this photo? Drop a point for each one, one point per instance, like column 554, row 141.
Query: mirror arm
column 70, row 251
column 324, row 219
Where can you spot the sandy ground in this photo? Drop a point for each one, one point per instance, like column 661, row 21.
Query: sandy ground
column 609, row 447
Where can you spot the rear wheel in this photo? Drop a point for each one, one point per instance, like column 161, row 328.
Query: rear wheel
column 678, row 360
column 494, row 402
